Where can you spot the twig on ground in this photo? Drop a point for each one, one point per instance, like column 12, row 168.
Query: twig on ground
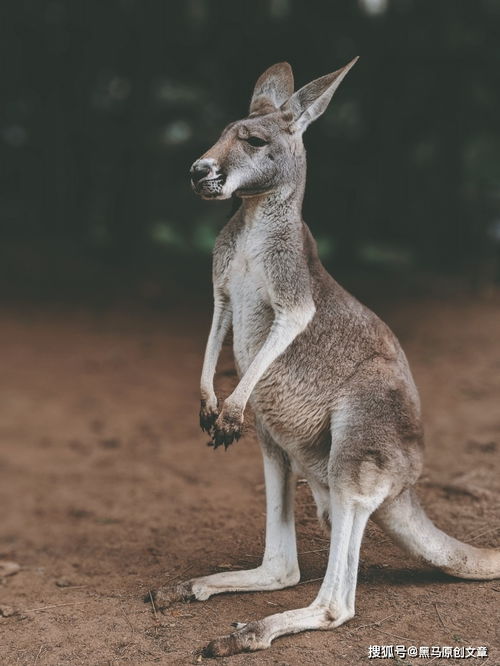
column 128, row 621
column 153, row 605
column 38, row 655
column 179, row 575
column 405, row 638
column 439, row 617
column 156, row 622
column 478, row 536
column 374, row 624
column 70, row 603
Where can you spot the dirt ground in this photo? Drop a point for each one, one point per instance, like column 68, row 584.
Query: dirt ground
column 107, row 490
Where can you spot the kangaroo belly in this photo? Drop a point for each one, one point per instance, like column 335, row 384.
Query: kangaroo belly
column 288, row 402
column 287, row 399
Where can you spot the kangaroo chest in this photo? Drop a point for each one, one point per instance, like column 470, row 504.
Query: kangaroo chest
column 249, row 295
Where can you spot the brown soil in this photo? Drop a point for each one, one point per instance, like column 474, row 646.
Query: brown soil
column 107, row 490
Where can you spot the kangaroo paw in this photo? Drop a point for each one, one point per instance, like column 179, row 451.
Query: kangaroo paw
column 208, row 417
column 165, row 596
column 227, row 429
column 246, row 639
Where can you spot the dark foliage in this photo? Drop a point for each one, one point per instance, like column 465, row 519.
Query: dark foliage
column 106, row 104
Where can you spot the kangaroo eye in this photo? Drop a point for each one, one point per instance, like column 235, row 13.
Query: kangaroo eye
column 256, row 141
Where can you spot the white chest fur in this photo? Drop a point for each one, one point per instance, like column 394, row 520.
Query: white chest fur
column 247, row 278
column 249, row 294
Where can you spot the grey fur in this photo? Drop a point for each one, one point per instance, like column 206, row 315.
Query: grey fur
column 328, row 382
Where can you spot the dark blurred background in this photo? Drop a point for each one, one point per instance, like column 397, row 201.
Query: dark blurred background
column 106, row 104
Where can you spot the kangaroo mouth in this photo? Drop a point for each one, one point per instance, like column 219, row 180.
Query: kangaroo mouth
column 209, row 188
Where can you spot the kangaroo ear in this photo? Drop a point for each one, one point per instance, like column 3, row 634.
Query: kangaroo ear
column 310, row 102
column 272, row 89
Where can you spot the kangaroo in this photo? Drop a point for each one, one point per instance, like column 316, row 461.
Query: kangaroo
column 330, row 387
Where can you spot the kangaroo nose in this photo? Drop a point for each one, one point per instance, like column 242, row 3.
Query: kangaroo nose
column 199, row 170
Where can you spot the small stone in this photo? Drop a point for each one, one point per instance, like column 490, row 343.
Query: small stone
column 63, row 582
column 8, row 568
column 7, row 611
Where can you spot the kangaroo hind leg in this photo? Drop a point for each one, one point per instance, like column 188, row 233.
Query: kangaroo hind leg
column 279, row 566
column 354, row 493
column 334, row 603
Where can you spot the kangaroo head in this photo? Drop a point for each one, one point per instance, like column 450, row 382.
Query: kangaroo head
column 264, row 151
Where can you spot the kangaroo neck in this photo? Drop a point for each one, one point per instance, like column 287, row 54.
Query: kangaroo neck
column 280, row 207
column 277, row 208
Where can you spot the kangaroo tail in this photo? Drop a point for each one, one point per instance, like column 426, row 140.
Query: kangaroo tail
column 406, row 522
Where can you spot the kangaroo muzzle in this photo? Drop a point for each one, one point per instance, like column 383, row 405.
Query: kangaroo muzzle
column 207, row 179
